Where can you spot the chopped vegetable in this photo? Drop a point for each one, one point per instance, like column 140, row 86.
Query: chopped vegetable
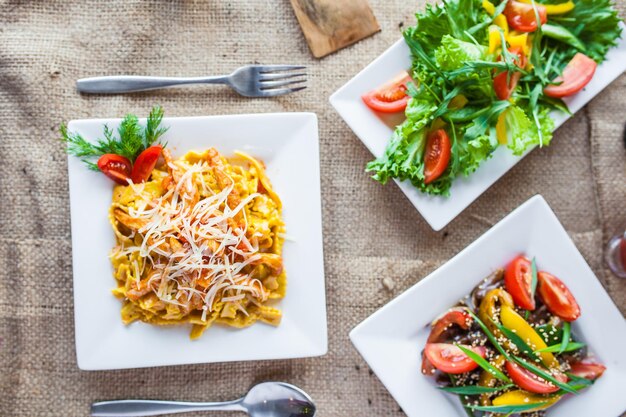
column 391, row 97
column 117, row 154
column 576, row 76
column 452, row 359
column 557, row 297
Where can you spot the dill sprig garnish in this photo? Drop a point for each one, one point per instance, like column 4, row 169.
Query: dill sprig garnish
column 131, row 139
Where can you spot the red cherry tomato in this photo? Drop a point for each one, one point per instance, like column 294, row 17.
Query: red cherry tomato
column 504, row 83
column 528, row 381
column 458, row 316
column 522, row 17
column 390, row 97
column 587, row 369
column 437, row 155
column 145, row 162
column 115, row 167
column 576, row 75
column 450, row 359
column 557, row 297
column 517, row 280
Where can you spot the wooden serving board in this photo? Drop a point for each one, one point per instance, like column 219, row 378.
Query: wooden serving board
column 330, row 25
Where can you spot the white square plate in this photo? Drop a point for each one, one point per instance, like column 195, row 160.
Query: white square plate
column 288, row 144
column 391, row 339
column 375, row 130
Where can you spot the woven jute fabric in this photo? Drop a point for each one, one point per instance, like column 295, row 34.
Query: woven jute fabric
column 371, row 232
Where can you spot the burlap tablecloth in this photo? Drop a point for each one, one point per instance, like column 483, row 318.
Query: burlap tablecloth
column 370, row 232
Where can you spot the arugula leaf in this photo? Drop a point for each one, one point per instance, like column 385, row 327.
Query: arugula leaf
column 559, row 33
column 475, row 389
column 484, row 364
column 595, row 23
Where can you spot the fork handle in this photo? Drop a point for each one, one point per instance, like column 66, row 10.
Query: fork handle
column 140, row 408
column 131, row 83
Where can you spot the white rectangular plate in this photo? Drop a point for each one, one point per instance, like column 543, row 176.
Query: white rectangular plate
column 391, row 339
column 288, row 144
column 375, row 130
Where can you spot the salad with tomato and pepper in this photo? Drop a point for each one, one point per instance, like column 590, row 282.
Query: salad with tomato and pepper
column 128, row 157
column 486, row 73
column 508, row 347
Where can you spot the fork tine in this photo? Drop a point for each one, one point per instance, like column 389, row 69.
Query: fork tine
column 264, row 69
column 280, row 92
column 280, row 76
column 268, row 85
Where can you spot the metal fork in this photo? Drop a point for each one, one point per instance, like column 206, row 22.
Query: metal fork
column 249, row 81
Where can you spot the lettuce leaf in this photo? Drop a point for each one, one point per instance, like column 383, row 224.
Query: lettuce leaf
column 453, row 53
column 522, row 132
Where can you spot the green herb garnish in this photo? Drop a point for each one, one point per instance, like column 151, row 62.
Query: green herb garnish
column 131, row 139
column 518, row 341
column 545, row 375
column 484, row 364
column 489, row 335
column 570, row 347
column 566, row 337
column 502, row 409
column 475, row 389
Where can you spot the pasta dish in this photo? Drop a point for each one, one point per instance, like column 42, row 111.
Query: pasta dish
column 200, row 242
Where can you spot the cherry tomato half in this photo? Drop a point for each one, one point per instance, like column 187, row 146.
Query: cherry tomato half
column 115, row 167
column 504, row 83
column 517, row 280
column 528, row 381
column 557, row 297
column 588, row 369
column 390, row 97
column 521, row 16
column 145, row 162
column 576, row 75
column 437, row 155
column 458, row 316
column 450, row 359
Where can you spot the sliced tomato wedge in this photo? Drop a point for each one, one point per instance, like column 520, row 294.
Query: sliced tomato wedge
column 450, row 359
column 436, row 155
column 522, row 17
column 588, row 369
column 390, row 97
column 504, row 83
column 557, row 297
column 115, row 167
column 576, row 75
column 458, row 316
column 528, row 381
column 145, row 163
column 518, row 280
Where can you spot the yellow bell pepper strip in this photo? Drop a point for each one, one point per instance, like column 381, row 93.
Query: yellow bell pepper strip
column 501, row 128
column 488, row 309
column 495, row 40
column 516, row 323
column 520, row 397
column 519, row 40
column 499, row 20
column 488, row 380
column 560, row 8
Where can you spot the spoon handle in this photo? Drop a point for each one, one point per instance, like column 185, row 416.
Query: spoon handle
column 140, row 408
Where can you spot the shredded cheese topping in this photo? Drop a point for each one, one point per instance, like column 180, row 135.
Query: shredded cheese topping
column 201, row 242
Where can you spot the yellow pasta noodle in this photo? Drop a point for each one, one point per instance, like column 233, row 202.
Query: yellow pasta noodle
column 199, row 243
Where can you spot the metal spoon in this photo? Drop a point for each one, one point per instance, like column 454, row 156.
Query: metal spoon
column 267, row 399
